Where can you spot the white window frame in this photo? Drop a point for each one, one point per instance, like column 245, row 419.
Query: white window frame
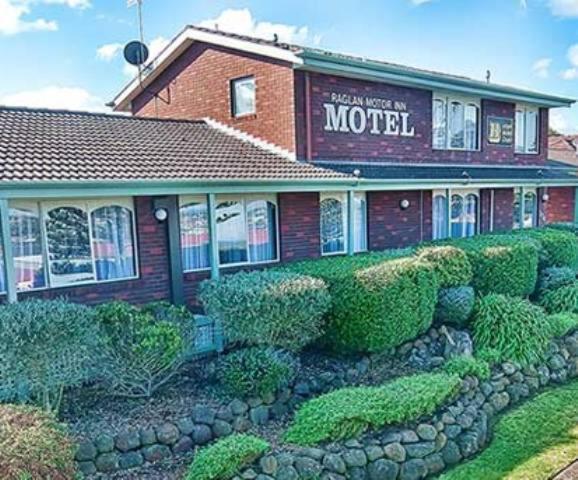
column 362, row 196
column 447, row 100
column 341, row 197
column 525, row 110
column 233, row 87
column 185, row 200
column 88, row 206
column 449, row 193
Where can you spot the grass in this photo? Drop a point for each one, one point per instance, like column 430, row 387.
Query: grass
column 533, row 442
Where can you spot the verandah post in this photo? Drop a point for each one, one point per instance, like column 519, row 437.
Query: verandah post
column 8, row 257
column 214, row 246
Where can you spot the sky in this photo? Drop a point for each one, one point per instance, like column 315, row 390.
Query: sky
column 68, row 53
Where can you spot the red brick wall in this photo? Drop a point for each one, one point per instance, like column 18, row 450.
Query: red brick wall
column 197, row 85
column 503, row 209
column 485, row 210
column 560, row 206
column 365, row 146
column 299, row 225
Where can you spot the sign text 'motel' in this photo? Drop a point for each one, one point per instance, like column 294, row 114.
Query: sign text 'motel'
column 359, row 114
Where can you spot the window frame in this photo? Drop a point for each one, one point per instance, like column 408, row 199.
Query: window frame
column 232, row 88
column 342, row 198
column 363, row 197
column 463, row 193
column 447, row 99
column 519, row 223
column 525, row 109
column 185, row 200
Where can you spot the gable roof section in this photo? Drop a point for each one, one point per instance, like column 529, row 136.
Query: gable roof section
column 314, row 59
column 63, row 146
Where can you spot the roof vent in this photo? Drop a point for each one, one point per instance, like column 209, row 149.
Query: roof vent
column 275, row 38
column 488, row 76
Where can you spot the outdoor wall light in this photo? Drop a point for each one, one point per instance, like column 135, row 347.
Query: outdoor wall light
column 545, row 197
column 404, row 204
column 161, row 214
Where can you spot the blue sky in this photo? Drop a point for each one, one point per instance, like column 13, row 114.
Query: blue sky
column 67, row 53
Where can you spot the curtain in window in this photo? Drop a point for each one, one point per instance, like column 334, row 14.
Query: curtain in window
column 531, row 131
column 261, row 230
column 360, row 224
column 332, row 226
column 457, row 216
column 68, row 242
column 440, row 217
column 195, row 239
column 439, row 124
column 113, row 243
column 26, row 233
column 244, row 93
column 519, row 129
column 471, row 215
column 530, row 210
column 231, row 232
column 517, row 212
column 457, row 125
column 471, row 127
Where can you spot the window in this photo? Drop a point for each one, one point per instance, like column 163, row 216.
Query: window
column 463, row 221
column 243, row 96
column 262, row 231
column 529, row 219
column 195, row 236
column 526, row 129
column 65, row 243
column 455, row 123
column 360, row 222
column 333, row 211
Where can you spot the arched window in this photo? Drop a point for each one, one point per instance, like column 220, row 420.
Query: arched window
column 195, row 237
column 457, row 208
column 113, row 242
column 231, row 232
column 463, row 214
column 332, row 225
column 440, row 217
column 530, row 209
column 262, row 231
column 471, row 215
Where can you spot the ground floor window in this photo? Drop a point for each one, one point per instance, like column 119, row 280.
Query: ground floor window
column 61, row 243
column 360, row 222
column 455, row 213
column 334, row 222
column 526, row 216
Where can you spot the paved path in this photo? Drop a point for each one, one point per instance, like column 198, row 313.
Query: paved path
column 569, row 473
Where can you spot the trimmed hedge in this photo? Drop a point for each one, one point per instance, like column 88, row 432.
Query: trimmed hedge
column 468, row 366
column 377, row 302
column 270, row 308
column 507, row 328
column 349, row 412
column 256, row 371
column 455, row 305
column 560, row 300
column 563, row 323
column 451, row 265
column 225, row 458
column 555, row 277
column 558, row 248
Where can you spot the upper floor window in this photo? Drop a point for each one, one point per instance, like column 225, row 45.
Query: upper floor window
column 456, row 123
column 243, row 96
column 526, row 129
column 334, row 223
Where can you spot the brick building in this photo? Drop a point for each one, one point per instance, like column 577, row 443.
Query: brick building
column 242, row 153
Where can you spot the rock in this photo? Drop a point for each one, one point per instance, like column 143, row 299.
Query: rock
column 452, row 431
column 509, row 368
column 314, row 453
column 500, row 401
column 413, row 470
column 383, row 470
column 434, row 463
column 302, row 388
column 226, row 414
column 373, row 452
column 409, row 436
column 130, row 460
column 518, row 391
column 355, row 458
column 556, row 362
column 307, row 468
column 104, row 443
column 441, row 441
column 448, row 418
column 107, row 462
column 238, row 407
column 168, row 433
column 203, row 414
column 148, row 437
column 461, row 345
column 465, row 420
column 254, row 402
column 426, row 431
column 85, row 452
column 183, row 445
column 390, row 437
column 420, row 450
column 202, row 434
column 451, row 453
column 357, row 473
column 395, row 452
column 222, row 428
column 334, row 463
column 127, row 441
column 86, row 468
column 155, row 453
column 259, row 415
column 241, row 424
column 278, row 410
column 468, row 444
column 285, row 459
column 185, row 425
column 249, row 474
column 269, row 465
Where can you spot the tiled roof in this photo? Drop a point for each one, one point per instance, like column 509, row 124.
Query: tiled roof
column 48, row 145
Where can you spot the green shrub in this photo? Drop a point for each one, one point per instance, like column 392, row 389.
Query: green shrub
column 256, row 371
column 455, row 305
column 33, row 445
column 468, row 366
column 225, row 458
column 269, row 308
column 557, row 247
column 563, row 299
column 451, row 265
column 554, row 277
column 349, row 412
column 563, row 323
column 512, row 328
column 46, row 347
column 143, row 348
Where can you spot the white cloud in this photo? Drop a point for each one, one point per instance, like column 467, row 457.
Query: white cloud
column 560, row 121
column 570, row 74
column 564, row 8
column 156, row 46
column 419, row 2
column 109, row 51
column 242, row 22
column 69, row 98
column 81, row 4
column 541, row 67
column 12, row 21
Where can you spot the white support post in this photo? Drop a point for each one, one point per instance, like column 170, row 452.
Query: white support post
column 448, row 213
column 8, row 257
column 350, row 222
column 214, row 244
column 522, row 207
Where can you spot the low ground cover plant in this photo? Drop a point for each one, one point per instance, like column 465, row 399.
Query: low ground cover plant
column 464, row 366
column 270, row 308
column 45, row 348
column 561, row 299
column 349, row 412
column 451, row 265
column 455, row 306
column 143, row 347
column 225, row 458
column 256, row 371
column 33, row 445
column 563, row 323
column 508, row 328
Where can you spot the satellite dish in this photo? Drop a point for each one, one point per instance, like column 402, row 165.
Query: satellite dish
column 136, row 53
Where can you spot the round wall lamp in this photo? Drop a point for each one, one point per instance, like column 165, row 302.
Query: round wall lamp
column 404, row 204
column 545, row 197
column 161, row 214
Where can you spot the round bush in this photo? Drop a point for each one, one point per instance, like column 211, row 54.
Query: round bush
column 511, row 329
column 555, row 277
column 256, row 371
column 563, row 323
column 558, row 248
column 451, row 265
column 560, row 300
column 33, row 445
column 455, row 305
column 269, row 308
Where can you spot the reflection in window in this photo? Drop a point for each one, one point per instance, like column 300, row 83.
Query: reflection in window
column 262, row 231
column 68, row 242
column 360, row 223
column 526, row 129
column 464, row 215
column 440, row 217
column 26, row 233
column 113, row 243
column 243, row 91
column 530, row 210
column 471, row 127
column 439, row 123
column 231, row 232
column 195, row 239
column 456, row 220
column 455, row 123
column 332, row 226
column 470, row 215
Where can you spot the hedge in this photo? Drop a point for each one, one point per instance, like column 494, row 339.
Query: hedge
column 377, row 302
column 349, row 412
column 269, row 308
column 558, row 248
column 225, row 458
column 555, row 277
column 562, row 324
column 560, row 300
column 451, row 265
